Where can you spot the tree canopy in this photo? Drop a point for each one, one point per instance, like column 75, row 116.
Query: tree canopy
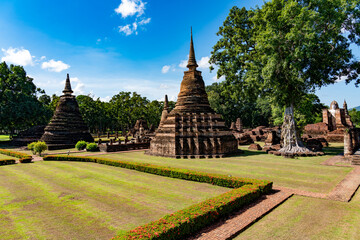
column 288, row 48
column 19, row 105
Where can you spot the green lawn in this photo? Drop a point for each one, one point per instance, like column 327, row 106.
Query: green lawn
column 4, row 138
column 305, row 173
column 74, row 200
column 2, row 156
column 309, row 218
column 48, row 151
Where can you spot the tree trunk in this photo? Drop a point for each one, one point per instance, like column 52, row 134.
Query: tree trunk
column 291, row 142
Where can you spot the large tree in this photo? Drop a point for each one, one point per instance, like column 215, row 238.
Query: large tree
column 19, row 106
column 286, row 49
column 227, row 99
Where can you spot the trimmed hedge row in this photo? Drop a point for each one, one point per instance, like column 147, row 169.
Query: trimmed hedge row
column 23, row 157
column 7, row 161
column 185, row 222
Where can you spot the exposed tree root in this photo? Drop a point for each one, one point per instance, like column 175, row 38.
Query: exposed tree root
column 292, row 143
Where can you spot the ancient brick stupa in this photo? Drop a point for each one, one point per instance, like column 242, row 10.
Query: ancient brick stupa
column 192, row 129
column 66, row 127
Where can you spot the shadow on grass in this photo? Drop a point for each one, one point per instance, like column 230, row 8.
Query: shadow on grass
column 333, row 151
column 247, row 153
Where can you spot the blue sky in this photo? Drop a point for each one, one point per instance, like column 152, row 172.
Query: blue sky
column 120, row 45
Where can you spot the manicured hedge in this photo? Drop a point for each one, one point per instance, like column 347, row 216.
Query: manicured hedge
column 188, row 221
column 7, row 161
column 23, row 157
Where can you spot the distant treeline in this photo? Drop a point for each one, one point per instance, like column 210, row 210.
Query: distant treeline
column 23, row 105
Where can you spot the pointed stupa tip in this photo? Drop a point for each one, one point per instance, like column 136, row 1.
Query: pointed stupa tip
column 192, row 65
column 166, row 102
column 345, row 107
column 67, row 89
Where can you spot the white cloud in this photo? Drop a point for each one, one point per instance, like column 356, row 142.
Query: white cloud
column 135, row 26
column 75, row 79
column 340, row 79
column 214, row 78
column 126, row 30
column 130, row 8
column 145, row 21
column 164, row 86
column 42, row 58
column 79, row 89
column 183, row 63
column 105, row 99
column 54, row 66
column 18, row 56
column 76, row 85
column 204, row 62
column 165, row 69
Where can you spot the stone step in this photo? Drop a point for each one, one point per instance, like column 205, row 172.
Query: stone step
column 355, row 162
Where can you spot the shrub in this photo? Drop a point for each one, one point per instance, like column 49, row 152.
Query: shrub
column 7, row 161
column 92, row 147
column 23, row 157
column 31, row 147
column 40, row 147
column 81, row 145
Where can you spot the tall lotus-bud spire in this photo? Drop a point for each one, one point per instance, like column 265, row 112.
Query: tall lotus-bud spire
column 67, row 89
column 192, row 65
column 165, row 111
column 166, row 103
column 345, row 108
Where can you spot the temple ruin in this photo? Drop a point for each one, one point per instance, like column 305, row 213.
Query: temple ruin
column 335, row 121
column 192, row 129
column 66, row 127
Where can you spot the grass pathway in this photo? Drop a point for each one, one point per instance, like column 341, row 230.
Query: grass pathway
column 309, row 218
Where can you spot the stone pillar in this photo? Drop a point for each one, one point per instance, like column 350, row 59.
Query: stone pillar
column 348, row 149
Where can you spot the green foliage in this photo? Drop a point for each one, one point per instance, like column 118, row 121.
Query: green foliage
column 231, row 104
column 7, row 161
column 227, row 99
column 309, row 111
column 189, row 220
column 37, row 147
column 19, row 105
column 81, row 145
column 92, row 147
column 287, row 48
column 355, row 117
column 31, row 147
column 23, row 157
column 40, row 147
column 120, row 113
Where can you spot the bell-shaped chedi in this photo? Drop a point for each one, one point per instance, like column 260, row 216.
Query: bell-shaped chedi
column 66, row 127
column 192, row 129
